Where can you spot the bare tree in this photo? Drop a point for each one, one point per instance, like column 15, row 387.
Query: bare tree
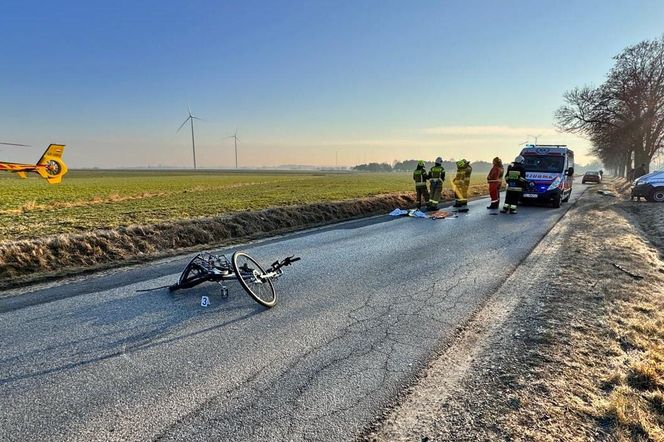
column 623, row 117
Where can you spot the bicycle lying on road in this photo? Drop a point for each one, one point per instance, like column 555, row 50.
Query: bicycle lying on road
column 256, row 281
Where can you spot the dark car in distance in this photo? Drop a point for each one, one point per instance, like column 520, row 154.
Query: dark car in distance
column 591, row 177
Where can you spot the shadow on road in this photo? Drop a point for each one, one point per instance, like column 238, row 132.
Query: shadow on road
column 121, row 326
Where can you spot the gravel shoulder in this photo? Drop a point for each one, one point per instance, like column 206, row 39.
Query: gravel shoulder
column 571, row 347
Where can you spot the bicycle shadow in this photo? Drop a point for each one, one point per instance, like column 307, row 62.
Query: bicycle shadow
column 119, row 326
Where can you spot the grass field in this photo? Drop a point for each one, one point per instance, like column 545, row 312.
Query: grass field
column 89, row 200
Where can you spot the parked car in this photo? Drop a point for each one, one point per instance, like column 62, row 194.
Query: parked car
column 650, row 186
column 591, row 177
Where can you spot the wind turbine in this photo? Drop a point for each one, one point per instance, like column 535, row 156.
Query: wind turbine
column 535, row 137
column 190, row 118
column 236, row 139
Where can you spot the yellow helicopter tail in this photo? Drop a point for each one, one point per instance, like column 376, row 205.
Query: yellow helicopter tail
column 53, row 167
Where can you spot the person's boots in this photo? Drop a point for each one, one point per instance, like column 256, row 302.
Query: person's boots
column 493, row 206
column 505, row 209
column 513, row 210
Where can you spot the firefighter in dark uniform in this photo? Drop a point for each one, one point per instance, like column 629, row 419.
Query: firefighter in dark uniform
column 420, row 176
column 436, row 179
column 516, row 182
column 461, row 183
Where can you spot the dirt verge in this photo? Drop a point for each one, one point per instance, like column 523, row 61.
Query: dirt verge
column 27, row 261
column 570, row 348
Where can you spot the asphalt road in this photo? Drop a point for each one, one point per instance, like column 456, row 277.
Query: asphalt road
column 369, row 304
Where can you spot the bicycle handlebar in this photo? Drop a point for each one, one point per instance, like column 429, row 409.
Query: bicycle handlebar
column 285, row 262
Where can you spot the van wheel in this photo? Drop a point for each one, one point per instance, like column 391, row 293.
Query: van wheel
column 657, row 195
column 556, row 202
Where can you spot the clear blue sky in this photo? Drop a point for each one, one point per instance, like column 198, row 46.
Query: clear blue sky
column 305, row 82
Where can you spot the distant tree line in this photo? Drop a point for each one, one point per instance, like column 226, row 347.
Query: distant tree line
column 624, row 116
column 410, row 165
column 373, row 167
column 449, row 165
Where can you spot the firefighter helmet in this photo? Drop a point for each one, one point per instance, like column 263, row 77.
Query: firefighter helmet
column 462, row 163
column 420, row 163
column 519, row 159
column 439, row 160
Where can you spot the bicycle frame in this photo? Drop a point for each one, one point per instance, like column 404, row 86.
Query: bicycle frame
column 206, row 267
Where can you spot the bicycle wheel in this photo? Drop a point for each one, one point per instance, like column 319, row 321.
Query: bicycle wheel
column 251, row 277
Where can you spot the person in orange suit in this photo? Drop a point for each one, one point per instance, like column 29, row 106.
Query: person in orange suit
column 495, row 179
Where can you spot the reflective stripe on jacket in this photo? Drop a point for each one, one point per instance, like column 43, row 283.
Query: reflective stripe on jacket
column 463, row 176
column 496, row 174
column 420, row 176
column 515, row 178
column 437, row 173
